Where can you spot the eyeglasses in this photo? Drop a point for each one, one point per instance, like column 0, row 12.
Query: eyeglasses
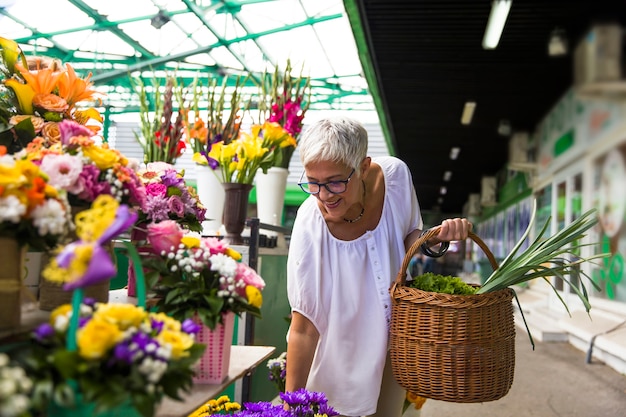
column 333, row 187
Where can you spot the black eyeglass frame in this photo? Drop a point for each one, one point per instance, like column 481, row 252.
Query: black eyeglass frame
column 325, row 184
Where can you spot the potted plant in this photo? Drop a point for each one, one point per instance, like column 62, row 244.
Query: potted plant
column 202, row 279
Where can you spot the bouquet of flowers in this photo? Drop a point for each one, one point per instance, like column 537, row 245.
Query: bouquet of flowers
column 78, row 165
column 285, row 100
column 302, row 403
column 15, row 389
column 199, row 277
column 160, row 138
column 31, row 209
column 106, row 356
column 169, row 198
column 217, row 128
column 36, row 94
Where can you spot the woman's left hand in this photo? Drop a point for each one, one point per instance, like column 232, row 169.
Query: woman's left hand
column 454, row 229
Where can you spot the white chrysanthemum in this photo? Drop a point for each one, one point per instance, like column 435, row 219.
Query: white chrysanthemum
column 8, row 387
column 4, row 359
column 49, row 218
column 225, row 265
column 11, row 209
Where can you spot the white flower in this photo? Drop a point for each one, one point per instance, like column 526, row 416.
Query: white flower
column 49, row 218
column 224, row 264
column 4, row 359
column 11, row 209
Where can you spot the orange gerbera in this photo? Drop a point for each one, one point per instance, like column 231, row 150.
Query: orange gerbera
column 74, row 89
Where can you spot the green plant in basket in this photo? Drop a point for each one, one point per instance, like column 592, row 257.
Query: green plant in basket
column 93, row 358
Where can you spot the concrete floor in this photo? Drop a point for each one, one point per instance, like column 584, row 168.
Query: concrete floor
column 552, row 381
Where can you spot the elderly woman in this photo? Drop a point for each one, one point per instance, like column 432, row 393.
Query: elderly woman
column 347, row 245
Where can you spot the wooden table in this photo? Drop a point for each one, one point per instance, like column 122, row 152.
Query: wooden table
column 243, row 359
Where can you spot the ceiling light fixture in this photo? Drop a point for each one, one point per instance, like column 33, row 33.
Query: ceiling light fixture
column 454, row 152
column 159, row 20
column 447, row 175
column 468, row 112
column 504, row 128
column 443, row 190
column 495, row 24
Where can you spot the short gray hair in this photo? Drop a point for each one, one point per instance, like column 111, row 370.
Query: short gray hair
column 338, row 139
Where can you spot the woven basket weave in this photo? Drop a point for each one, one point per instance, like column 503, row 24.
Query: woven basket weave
column 455, row 348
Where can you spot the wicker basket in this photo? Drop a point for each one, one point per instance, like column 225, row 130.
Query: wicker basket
column 456, row 348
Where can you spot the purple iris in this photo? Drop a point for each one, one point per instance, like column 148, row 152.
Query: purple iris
column 190, row 327
column 44, row 331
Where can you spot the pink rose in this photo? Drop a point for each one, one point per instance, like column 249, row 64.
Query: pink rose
column 156, row 189
column 164, row 236
column 176, row 206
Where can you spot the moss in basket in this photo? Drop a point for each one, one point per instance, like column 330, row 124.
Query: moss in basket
column 445, row 284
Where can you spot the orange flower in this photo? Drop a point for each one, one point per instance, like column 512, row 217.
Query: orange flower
column 36, row 121
column 74, row 89
column 37, row 194
column 50, row 102
column 3, row 150
column 42, row 81
column 51, row 132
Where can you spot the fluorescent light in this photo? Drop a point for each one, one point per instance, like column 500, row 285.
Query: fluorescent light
column 447, row 175
column 468, row 112
column 454, row 152
column 495, row 25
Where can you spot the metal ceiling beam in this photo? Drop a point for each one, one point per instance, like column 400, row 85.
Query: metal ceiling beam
column 113, row 28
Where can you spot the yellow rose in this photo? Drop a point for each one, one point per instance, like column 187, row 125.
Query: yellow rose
column 96, row 338
column 62, row 310
column 122, row 315
column 103, row 158
column 179, row 341
column 190, row 241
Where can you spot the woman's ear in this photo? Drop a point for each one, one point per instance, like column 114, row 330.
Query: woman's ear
column 365, row 166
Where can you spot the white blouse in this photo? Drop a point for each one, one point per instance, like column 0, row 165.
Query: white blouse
column 342, row 287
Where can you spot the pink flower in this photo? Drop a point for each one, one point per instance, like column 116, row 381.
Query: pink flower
column 215, row 245
column 63, row 171
column 156, row 189
column 249, row 276
column 164, row 236
column 176, row 206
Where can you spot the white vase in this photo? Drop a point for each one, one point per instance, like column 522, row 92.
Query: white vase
column 270, row 196
column 211, row 194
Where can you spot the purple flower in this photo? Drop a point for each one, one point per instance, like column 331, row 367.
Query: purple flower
column 156, row 325
column 171, row 178
column 157, row 209
column 69, row 129
column 190, row 327
column 123, row 353
column 44, row 332
column 176, row 206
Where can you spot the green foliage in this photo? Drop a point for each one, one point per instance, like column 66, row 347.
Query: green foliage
column 445, row 284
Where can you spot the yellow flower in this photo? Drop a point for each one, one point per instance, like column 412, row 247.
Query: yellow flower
column 254, row 296
column 233, row 254
column 168, row 322
column 179, row 341
column 123, row 316
column 10, row 53
column 104, row 158
column 190, row 241
column 96, row 338
column 91, row 224
column 24, row 93
column 415, row 399
column 198, row 158
column 62, row 310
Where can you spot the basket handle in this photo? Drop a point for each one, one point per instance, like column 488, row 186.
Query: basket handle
column 401, row 277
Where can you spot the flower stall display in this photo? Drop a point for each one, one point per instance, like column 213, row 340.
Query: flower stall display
column 15, row 389
column 93, row 358
column 302, row 403
column 33, row 215
column 36, row 94
column 222, row 125
column 202, row 279
column 161, row 137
